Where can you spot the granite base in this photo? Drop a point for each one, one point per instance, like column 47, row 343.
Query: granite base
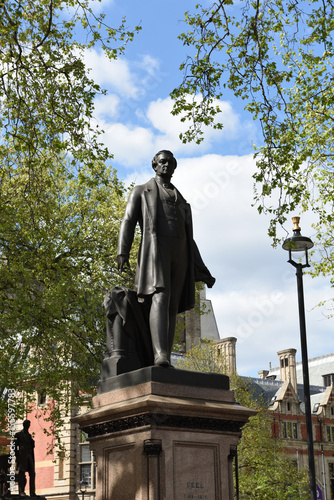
column 164, row 434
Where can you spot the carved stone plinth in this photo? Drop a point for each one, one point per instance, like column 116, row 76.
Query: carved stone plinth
column 163, row 434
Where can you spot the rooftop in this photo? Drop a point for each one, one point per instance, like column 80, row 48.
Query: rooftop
column 318, row 366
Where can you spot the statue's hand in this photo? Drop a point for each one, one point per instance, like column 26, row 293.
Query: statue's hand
column 210, row 282
column 123, row 261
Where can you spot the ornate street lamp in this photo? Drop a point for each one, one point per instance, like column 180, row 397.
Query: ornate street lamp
column 299, row 243
column 83, row 485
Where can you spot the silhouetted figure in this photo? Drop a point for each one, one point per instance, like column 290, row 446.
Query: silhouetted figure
column 4, row 470
column 24, row 451
column 169, row 262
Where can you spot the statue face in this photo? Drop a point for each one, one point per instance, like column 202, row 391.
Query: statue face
column 165, row 165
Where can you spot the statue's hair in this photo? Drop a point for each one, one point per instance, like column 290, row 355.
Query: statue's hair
column 155, row 158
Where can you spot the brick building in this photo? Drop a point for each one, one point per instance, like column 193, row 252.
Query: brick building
column 59, row 472
column 283, row 389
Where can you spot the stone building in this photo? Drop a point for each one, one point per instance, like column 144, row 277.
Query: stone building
column 194, row 327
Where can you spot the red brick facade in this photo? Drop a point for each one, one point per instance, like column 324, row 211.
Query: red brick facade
column 290, row 424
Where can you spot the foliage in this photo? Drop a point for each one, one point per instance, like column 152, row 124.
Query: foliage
column 60, row 203
column 200, row 358
column 46, row 95
column 278, row 58
column 58, row 239
column 264, row 470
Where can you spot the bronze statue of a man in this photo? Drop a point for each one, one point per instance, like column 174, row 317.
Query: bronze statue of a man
column 168, row 262
column 24, row 451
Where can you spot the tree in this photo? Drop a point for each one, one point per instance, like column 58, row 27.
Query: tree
column 47, row 98
column 277, row 57
column 58, row 242
column 264, row 471
column 200, row 358
column 60, row 202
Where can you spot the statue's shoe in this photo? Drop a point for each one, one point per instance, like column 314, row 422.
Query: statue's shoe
column 162, row 360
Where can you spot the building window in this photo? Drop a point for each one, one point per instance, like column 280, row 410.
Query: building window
column 288, row 406
column 330, row 433
column 289, row 430
column 331, row 478
column 41, row 398
column 284, row 362
column 328, row 379
column 61, row 465
column 87, row 466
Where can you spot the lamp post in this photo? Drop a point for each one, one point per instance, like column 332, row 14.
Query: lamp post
column 299, row 243
column 83, row 485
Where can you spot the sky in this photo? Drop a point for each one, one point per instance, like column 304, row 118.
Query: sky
column 255, row 295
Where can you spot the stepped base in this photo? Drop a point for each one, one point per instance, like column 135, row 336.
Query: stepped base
column 162, row 433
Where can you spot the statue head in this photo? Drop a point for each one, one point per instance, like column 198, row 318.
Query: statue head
column 163, row 152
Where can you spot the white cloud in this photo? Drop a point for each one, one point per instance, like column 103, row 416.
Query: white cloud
column 100, row 6
column 169, row 127
column 129, row 145
column 219, row 189
column 115, row 73
column 149, row 64
column 96, row 6
column 107, row 107
column 264, row 318
column 132, row 80
column 159, row 113
column 161, row 132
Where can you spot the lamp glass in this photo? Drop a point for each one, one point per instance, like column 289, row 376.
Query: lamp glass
column 298, row 243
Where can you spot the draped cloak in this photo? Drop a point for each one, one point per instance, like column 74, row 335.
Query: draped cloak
column 142, row 208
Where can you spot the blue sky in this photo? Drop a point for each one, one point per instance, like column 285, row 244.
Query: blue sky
column 255, row 297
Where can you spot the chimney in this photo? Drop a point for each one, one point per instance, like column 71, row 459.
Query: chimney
column 263, row 373
column 287, row 363
column 227, row 355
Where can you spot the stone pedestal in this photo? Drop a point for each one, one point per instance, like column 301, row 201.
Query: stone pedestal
column 164, row 434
